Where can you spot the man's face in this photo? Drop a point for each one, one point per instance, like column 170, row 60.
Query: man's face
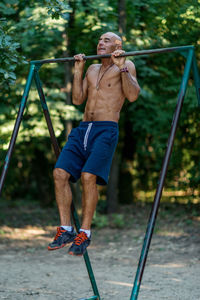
column 107, row 44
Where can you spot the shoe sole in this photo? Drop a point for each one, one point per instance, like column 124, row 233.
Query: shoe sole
column 56, row 248
column 73, row 254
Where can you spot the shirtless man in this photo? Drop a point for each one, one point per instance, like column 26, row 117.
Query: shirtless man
column 90, row 147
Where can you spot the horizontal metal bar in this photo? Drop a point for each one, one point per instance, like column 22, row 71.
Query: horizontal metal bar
column 132, row 53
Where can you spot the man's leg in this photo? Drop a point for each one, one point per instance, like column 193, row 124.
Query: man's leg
column 89, row 198
column 89, row 203
column 65, row 233
column 63, row 195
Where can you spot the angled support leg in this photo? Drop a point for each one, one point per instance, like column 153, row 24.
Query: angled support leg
column 16, row 126
column 46, row 111
column 154, row 211
column 57, row 152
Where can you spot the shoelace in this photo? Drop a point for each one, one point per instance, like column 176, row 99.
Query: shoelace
column 59, row 233
column 81, row 237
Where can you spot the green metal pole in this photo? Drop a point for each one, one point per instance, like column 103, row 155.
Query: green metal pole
column 46, row 111
column 57, row 152
column 86, row 256
column 154, row 211
column 16, row 126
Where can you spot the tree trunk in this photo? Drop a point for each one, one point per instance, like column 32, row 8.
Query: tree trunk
column 69, row 41
column 122, row 16
column 128, row 149
column 68, row 78
column 112, row 189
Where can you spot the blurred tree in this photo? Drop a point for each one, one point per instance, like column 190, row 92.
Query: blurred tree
column 40, row 29
column 154, row 24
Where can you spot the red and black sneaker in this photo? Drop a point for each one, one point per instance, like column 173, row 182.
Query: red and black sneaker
column 81, row 242
column 62, row 238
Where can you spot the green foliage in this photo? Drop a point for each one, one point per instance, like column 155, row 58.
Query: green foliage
column 57, row 8
column 114, row 220
column 47, row 29
column 9, row 56
column 100, row 221
column 147, row 122
column 117, row 221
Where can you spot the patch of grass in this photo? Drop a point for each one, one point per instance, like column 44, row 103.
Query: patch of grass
column 117, row 221
column 113, row 221
column 2, row 232
column 100, row 221
column 22, row 213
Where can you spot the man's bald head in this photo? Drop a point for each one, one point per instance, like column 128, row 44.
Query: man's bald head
column 109, row 42
column 114, row 35
column 116, row 39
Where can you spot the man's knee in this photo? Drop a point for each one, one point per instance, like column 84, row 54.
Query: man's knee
column 60, row 175
column 88, row 178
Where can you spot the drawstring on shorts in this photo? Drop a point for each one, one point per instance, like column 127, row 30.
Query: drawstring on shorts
column 87, row 136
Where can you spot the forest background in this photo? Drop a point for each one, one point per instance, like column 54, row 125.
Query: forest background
column 39, row 29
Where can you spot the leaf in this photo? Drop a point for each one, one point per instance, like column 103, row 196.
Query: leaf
column 12, row 75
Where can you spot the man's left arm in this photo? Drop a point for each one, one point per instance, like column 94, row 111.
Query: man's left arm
column 130, row 86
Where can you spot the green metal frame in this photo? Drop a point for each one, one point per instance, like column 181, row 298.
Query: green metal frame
column 188, row 52
column 154, row 211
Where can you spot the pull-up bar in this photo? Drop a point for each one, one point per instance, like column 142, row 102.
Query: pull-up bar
column 132, row 53
column 182, row 49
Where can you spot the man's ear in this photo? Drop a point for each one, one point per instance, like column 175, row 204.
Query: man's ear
column 118, row 44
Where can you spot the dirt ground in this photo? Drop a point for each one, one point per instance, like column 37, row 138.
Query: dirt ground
column 29, row 271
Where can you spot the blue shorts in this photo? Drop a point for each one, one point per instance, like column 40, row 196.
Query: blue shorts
column 90, row 148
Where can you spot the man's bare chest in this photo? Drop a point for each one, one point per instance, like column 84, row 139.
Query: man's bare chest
column 103, row 77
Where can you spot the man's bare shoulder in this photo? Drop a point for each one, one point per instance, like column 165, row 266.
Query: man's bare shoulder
column 131, row 66
column 93, row 67
column 129, row 63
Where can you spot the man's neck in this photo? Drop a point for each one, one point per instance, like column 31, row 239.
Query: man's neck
column 106, row 62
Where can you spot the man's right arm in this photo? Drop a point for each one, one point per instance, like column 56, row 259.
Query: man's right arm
column 80, row 86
